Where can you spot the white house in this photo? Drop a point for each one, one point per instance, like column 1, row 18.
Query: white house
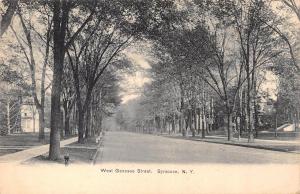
column 29, row 117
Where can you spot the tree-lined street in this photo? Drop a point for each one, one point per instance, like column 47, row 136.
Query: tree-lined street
column 206, row 68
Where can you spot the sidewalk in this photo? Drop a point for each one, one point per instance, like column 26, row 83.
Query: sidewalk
column 15, row 147
column 32, row 152
column 274, row 145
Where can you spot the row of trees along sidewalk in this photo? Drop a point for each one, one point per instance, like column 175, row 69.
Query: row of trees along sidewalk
column 86, row 39
column 210, row 66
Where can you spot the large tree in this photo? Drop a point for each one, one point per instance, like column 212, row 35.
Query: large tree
column 7, row 15
column 61, row 14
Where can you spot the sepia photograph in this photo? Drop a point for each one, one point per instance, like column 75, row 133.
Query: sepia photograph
column 149, row 96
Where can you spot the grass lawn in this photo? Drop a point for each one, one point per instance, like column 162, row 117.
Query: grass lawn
column 20, row 140
column 23, row 139
column 78, row 153
column 270, row 135
column 90, row 143
column 77, row 156
column 8, row 151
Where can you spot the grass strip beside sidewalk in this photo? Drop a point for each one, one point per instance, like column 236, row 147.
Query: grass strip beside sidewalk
column 32, row 152
column 78, row 153
column 267, row 145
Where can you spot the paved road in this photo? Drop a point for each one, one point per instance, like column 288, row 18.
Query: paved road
column 143, row 148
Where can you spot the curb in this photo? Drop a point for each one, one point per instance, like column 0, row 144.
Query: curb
column 241, row 145
column 98, row 149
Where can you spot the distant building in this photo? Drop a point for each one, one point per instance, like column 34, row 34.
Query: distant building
column 29, row 116
column 266, row 104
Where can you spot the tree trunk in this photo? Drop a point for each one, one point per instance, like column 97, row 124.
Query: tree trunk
column 187, row 122
column 180, row 123
column 67, row 126
column 244, row 126
column 8, row 117
column 41, row 124
column 249, row 119
column 87, row 123
column 276, row 120
column 169, row 128
column 80, row 125
column 33, row 119
column 7, row 16
column 191, row 122
column 183, row 131
column 92, row 121
column 297, row 120
column 80, row 128
column 173, row 123
column 54, row 152
column 254, row 97
column 195, row 121
column 256, row 119
column 164, row 124
column 203, row 122
column 99, row 127
column 229, row 126
column 59, row 29
column 240, row 113
column 203, row 109
column 211, row 114
column 66, row 119
column 199, row 121
column 74, row 127
column 61, row 125
column 87, row 126
column 237, row 125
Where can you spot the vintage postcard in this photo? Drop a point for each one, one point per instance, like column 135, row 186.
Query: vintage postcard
column 149, row 96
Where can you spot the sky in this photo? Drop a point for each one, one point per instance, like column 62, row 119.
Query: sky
column 132, row 84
